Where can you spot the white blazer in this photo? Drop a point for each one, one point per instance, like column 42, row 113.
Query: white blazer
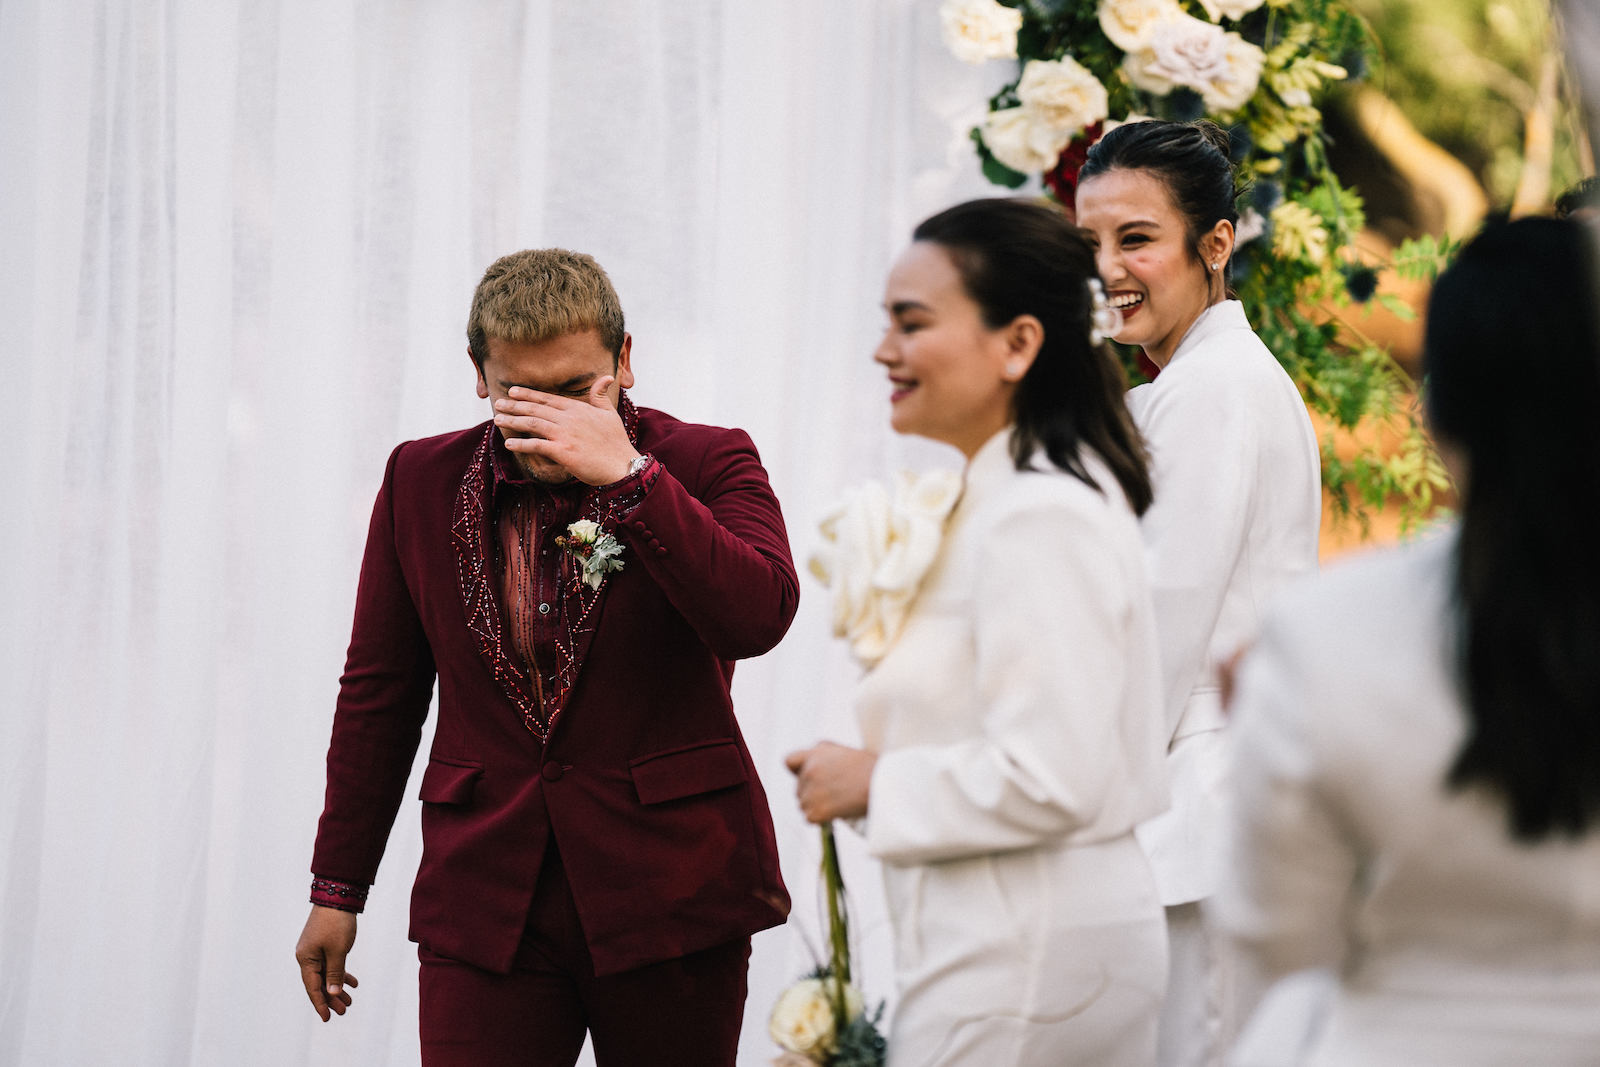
column 1019, row 705
column 1020, row 737
column 1456, row 945
column 1237, row 512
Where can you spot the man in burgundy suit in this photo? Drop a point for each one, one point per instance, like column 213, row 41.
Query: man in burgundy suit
column 580, row 575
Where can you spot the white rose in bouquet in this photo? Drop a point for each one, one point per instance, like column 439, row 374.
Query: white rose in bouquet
column 802, row 1019
column 1217, row 10
column 976, row 31
column 1129, row 24
column 1063, row 93
column 1024, row 140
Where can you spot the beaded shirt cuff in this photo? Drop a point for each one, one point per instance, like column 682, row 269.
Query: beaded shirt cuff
column 344, row 896
column 627, row 493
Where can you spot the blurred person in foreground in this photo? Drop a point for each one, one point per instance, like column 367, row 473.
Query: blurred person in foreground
column 1417, row 770
column 580, row 574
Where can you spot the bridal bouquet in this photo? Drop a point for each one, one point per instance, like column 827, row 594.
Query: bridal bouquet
column 822, row 1019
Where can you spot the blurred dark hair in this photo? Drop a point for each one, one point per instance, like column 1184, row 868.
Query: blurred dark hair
column 1191, row 158
column 1586, row 194
column 1512, row 358
column 1021, row 257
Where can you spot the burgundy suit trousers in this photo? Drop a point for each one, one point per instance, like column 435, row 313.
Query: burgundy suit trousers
column 680, row 1011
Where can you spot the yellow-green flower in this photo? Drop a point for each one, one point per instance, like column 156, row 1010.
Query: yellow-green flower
column 1298, row 233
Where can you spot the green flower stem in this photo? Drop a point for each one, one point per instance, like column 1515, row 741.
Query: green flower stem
column 838, row 926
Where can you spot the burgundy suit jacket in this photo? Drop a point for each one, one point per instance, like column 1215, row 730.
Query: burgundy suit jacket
column 645, row 780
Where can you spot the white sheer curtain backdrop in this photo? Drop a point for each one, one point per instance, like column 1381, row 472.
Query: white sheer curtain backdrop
column 239, row 239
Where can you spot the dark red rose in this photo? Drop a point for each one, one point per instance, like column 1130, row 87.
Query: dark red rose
column 1063, row 180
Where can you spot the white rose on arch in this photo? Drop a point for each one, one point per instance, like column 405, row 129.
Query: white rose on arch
column 1217, row 10
column 1129, row 24
column 1024, row 140
column 1234, row 88
column 1063, row 93
column 1191, row 53
column 976, row 31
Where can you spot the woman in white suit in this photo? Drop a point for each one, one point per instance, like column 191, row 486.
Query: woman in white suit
column 1012, row 722
column 1237, row 479
column 1418, row 764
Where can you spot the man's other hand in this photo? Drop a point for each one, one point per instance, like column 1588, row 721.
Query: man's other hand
column 324, row 943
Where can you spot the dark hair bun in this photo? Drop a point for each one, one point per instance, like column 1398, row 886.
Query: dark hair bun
column 1190, row 157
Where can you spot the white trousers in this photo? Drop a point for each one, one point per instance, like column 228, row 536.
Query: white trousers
column 1209, row 996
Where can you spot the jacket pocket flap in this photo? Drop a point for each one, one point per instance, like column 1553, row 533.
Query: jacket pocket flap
column 684, row 772
column 449, row 783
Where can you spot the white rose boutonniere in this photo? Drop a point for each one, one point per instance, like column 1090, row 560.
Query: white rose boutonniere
column 1062, row 93
column 1128, row 24
column 877, row 549
column 597, row 553
column 976, row 31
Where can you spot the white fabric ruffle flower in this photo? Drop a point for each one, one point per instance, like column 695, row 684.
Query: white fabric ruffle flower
column 1064, row 94
column 976, row 31
column 877, row 549
column 1024, row 140
column 1129, row 24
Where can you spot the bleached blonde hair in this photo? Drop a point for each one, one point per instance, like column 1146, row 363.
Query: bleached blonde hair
column 541, row 293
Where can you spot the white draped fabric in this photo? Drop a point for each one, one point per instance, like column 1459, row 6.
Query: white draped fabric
column 239, row 239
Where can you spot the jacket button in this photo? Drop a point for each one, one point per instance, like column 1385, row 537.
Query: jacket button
column 551, row 772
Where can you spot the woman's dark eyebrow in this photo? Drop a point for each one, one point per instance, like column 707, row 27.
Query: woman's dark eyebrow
column 900, row 307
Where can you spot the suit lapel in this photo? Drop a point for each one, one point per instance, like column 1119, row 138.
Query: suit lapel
column 472, row 538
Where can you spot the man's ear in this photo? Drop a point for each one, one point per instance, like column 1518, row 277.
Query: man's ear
column 477, row 369
column 624, row 368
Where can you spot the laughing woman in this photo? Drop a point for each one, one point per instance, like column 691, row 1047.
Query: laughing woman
column 1236, row 472
column 1013, row 726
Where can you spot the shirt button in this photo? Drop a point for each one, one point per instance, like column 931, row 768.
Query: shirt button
column 544, row 609
column 551, row 772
